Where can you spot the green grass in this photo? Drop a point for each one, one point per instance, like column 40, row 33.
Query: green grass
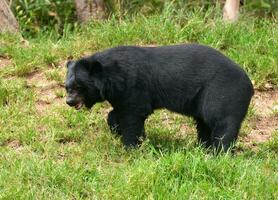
column 60, row 153
column 252, row 42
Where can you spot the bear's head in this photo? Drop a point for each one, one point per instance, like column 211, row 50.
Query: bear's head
column 83, row 83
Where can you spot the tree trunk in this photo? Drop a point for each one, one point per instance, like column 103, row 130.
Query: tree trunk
column 8, row 22
column 90, row 10
column 231, row 10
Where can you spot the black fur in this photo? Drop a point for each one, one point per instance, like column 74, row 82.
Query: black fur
column 192, row 80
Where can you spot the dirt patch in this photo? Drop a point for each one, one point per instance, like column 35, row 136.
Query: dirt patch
column 265, row 102
column 46, row 91
column 265, row 121
column 13, row 144
column 5, row 62
column 262, row 130
column 264, row 125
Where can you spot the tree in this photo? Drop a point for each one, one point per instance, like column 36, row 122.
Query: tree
column 231, row 10
column 8, row 22
column 90, row 10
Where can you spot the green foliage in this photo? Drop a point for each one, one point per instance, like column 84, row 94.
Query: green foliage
column 36, row 15
column 262, row 7
column 251, row 42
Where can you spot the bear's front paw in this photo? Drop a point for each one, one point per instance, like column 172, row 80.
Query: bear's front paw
column 113, row 123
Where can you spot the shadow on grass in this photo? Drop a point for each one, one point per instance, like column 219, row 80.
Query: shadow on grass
column 167, row 144
column 172, row 144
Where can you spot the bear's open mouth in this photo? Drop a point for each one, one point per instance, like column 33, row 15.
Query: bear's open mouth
column 79, row 105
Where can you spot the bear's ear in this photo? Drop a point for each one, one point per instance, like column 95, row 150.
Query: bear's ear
column 91, row 66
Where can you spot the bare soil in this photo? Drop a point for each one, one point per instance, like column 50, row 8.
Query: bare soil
column 265, row 120
column 46, row 91
column 4, row 62
column 14, row 144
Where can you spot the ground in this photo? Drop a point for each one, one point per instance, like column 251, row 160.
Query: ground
column 51, row 151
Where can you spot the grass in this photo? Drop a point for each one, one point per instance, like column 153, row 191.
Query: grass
column 60, row 153
column 252, row 42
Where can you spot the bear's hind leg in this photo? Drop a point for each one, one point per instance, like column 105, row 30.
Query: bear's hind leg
column 225, row 133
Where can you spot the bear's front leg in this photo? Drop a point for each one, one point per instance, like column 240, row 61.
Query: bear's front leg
column 132, row 129
column 113, row 122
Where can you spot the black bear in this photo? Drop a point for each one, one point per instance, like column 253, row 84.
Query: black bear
column 192, row 80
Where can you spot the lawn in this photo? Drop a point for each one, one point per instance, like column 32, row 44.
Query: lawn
column 51, row 151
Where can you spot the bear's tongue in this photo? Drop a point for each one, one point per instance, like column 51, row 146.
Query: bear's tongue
column 78, row 106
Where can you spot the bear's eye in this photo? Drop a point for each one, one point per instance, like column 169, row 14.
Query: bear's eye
column 77, row 87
